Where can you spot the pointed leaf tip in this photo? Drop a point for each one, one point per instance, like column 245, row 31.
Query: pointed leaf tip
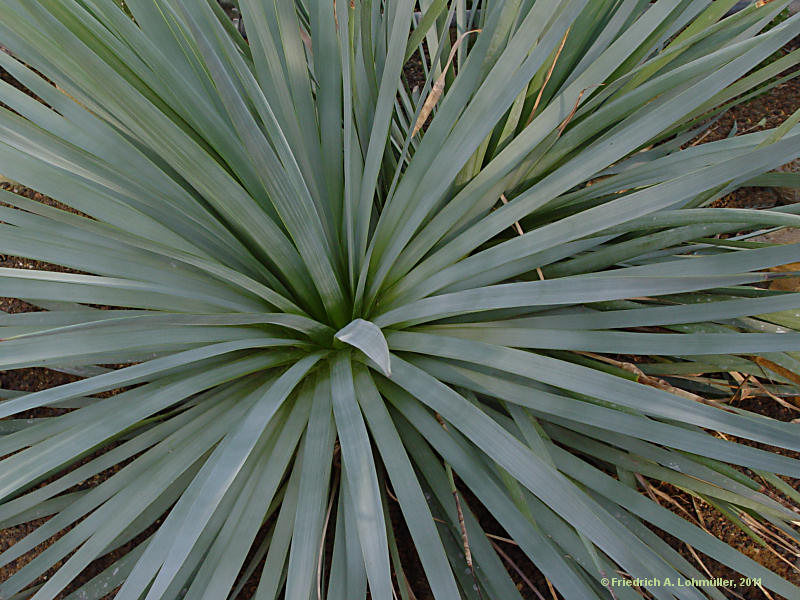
column 367, row 337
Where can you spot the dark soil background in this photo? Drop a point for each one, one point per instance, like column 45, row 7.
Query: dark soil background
column 773, row 108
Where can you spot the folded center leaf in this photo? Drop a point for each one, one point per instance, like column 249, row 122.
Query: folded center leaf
column 367, row 337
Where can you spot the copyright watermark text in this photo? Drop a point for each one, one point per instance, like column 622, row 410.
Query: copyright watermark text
column 653, row 582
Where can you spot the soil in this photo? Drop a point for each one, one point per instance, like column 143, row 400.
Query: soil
column 773, row 108
column 762, row 113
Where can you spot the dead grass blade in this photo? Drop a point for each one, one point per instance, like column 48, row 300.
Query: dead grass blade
column 660, row 384
column 782, row 371
column 517, row 570
column 547, row 78
column 517, row 226
column 438, row 86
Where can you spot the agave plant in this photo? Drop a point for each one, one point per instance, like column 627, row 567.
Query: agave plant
column 338, row 309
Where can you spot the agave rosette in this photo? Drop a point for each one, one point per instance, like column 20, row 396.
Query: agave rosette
column 290, row 274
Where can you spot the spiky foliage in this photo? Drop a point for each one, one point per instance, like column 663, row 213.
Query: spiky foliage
column 320, row 312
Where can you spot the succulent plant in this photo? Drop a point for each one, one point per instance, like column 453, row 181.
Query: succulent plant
column 335, row 307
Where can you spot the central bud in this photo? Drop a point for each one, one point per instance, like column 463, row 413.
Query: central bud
column 368, row 338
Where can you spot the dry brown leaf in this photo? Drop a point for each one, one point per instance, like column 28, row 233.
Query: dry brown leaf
column 566, row 121
column 547, row 78
column 517, row 226
column 438, row 86
column 743, row 391
column 782, row 371
column 660, row 384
